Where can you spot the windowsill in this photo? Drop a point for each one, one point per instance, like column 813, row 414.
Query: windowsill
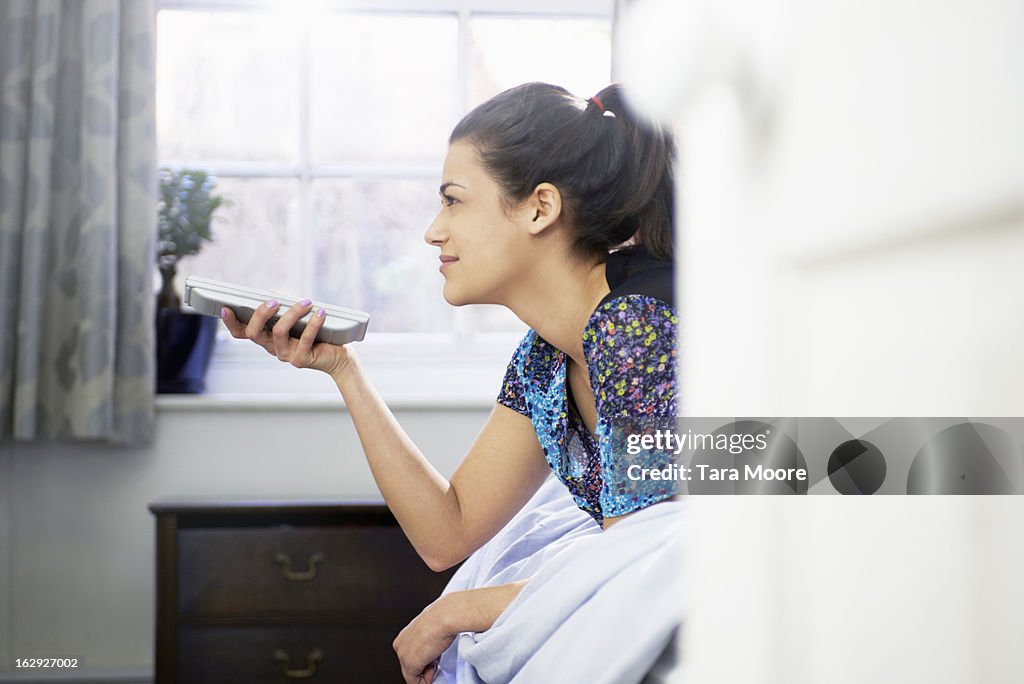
column 416, row 372
column 182, row 403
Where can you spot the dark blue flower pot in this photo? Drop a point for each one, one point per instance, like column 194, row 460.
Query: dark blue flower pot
column 184, row 346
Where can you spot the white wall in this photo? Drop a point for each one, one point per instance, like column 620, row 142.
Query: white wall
column 77, row 541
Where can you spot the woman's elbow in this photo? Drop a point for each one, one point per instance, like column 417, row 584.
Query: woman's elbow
column 440, row 558
column 447, row 551
column 439, row 562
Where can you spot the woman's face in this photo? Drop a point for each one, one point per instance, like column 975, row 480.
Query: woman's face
column 482, row 247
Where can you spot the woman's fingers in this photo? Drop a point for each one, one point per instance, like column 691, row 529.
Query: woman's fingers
column 304, row 352
column 240, row 330
column 231, row 322
column 304, row 347
column 255, row 330
column 283, row 344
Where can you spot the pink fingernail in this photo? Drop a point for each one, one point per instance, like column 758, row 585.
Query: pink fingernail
column 306, row 302
column 321, row 312
column 224, row 312
column 272, row 304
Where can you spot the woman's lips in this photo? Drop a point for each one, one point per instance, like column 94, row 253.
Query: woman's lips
column 445, row 260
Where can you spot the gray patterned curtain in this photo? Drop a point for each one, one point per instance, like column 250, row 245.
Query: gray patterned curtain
column 77, row 219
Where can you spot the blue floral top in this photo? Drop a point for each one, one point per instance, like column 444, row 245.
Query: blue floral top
column 630, row 347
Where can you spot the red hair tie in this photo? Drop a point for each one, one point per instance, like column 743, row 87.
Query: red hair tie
column 597, row 101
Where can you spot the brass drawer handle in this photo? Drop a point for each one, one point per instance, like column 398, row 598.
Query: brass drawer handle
column 307, row 574
column 315, row 656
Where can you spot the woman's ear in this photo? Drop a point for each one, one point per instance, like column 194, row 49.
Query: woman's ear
column 544, row 207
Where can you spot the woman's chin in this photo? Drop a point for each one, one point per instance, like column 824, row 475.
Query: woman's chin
column 461, row 296
column 454, row 297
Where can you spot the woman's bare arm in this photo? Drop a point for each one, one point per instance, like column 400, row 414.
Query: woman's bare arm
column 445, row 520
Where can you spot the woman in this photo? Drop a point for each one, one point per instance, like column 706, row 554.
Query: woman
column 540, row 192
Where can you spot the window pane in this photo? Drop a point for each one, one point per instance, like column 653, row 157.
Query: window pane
column 369, row 252
column 227, row 87
column 253, row 238
column 573, row 53
column 383, row 88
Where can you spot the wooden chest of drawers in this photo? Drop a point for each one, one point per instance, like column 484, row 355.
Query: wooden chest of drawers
column 277, row 591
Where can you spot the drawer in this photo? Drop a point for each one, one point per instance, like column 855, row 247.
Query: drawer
column 365, row 573
column 255, row 655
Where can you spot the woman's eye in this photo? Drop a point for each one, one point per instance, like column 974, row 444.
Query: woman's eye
column 448, row 200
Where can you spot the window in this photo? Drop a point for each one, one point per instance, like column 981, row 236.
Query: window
column 326, row 125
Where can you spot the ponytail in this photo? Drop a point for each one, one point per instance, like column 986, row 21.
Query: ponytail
column 613, row 169
column 646, row 187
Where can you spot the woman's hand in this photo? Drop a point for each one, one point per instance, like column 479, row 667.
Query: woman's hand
column 423, row 641
column 428, row 636
column 301, row 353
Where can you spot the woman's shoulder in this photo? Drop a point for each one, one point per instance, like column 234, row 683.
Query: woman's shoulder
column 629, row 321
column 639, row 307
column 631, row 353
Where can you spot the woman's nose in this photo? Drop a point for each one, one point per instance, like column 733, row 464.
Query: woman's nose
column 436, row 235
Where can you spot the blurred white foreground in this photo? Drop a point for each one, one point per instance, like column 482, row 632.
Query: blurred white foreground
column 852, row 234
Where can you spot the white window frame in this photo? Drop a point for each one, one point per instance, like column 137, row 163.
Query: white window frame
column 458, row 369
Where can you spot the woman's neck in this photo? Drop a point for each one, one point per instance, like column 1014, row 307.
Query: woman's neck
column 557, row 302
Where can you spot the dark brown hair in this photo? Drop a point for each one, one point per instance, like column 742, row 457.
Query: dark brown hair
column 614, row 170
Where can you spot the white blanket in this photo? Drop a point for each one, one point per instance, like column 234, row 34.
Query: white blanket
column 601, row 606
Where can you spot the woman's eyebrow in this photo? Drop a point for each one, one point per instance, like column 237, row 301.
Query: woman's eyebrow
column 445, row 186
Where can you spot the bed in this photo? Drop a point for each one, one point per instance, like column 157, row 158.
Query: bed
column 601, row 606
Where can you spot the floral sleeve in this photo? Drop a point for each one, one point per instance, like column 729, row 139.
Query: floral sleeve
column 630, row 344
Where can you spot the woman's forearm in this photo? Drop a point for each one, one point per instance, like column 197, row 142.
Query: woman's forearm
column 476, row 610
column 421, row 499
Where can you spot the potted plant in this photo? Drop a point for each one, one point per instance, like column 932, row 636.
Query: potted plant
column 184, row 339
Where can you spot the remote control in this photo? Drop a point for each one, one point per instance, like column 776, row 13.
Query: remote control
column 207, row 296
